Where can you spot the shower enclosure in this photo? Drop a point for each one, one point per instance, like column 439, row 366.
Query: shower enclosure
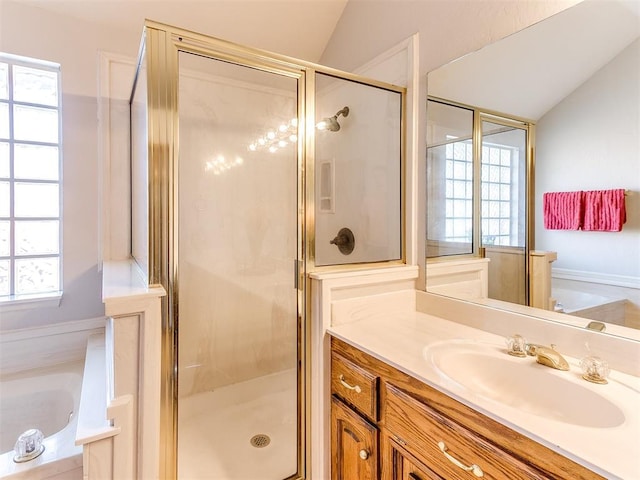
column 224, row 141
column 479, row 171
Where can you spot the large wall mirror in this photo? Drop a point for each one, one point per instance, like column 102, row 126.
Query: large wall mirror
column 572, row 82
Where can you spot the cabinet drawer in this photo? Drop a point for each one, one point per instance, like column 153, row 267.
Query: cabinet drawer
column 398, row 464
column 355, row 385
column 425, row 433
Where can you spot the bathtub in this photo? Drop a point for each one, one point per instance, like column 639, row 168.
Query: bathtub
column 46, row 399
column 590, row 305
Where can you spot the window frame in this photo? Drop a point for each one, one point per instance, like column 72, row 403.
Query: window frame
column 14, row 300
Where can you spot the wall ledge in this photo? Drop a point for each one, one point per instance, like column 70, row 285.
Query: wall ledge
column 123, row 278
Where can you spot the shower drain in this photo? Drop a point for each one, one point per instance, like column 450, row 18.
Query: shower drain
column 260, row 441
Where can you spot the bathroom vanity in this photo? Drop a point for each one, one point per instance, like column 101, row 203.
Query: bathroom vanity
column 400, row 412
column 384, row 418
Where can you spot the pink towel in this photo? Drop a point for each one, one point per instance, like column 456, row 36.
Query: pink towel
column 604, row 210
column 562, row 210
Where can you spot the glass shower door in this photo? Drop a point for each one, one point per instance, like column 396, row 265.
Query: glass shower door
column 237, row 299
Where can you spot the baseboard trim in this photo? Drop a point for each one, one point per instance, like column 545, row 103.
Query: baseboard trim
column 596, row 277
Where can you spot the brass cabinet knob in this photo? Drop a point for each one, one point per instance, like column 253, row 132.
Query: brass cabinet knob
column 364, row 454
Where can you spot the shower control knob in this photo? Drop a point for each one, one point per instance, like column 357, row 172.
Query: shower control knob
column 345, row 241
column 364, row 454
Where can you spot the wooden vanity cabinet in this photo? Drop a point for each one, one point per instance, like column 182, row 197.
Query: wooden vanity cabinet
column 424, row 434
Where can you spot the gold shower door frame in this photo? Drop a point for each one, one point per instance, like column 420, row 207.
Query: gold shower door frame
column 159, row 51
column 528, row 128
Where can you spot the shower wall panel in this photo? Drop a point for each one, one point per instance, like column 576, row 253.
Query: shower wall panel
column 366, row 153
column 237, row 227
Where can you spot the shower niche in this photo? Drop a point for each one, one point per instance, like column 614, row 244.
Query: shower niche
column 228, row 218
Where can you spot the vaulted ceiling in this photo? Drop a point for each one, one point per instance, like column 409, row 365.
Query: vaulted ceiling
column 298, row 28
column 524, row 74
column 529, row 72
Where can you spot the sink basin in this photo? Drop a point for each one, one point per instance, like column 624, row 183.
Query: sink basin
column 488, row 372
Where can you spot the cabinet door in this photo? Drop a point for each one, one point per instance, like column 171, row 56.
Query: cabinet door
column 354, row 445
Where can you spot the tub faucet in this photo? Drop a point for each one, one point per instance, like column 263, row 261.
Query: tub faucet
column 547, row 356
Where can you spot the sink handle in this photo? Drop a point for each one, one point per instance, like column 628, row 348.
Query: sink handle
column 475, row 469
column 595, row 370
column 356, row 388
column 517, row 346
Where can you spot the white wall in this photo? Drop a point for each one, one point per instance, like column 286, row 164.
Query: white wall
column 590, row 141
column 75, row 45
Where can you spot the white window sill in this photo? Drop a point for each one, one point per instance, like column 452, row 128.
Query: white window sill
column 25, row 302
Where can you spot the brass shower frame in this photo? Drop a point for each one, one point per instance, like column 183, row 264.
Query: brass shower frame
column 159, row 51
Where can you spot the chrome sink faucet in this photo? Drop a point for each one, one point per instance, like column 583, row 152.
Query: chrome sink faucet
column 517, row 346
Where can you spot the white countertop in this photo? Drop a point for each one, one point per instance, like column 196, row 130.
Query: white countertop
column 398, row 336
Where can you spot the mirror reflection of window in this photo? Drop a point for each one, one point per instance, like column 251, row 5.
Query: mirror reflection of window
column 503, row 185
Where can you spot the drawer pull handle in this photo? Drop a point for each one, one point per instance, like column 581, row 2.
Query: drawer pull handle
column 356, row 388
column 475, row 469
column 363, row 454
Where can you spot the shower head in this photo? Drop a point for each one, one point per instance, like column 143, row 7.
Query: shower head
column 331, row 123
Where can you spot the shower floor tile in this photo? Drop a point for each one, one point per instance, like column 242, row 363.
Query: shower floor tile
column 215, row 430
